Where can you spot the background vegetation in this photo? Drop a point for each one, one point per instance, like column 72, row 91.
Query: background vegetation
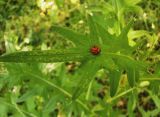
column 45, row 89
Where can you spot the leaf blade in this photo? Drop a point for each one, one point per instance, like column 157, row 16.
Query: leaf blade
column 114, row 77
column 132, row 75
column 85, row 78
column 93, row 31
column 123, row 38
column 104, row 34
column 77, row 38
column 45, row 56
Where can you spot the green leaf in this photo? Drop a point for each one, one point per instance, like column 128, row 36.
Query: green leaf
column 123, row 61
column 76, row 38
column 155, row 99
column 123, row 38
column 93, row 31
column 108, row 64
column 131, row 104
column 57, row 87
column 114, row 77
column 27, row 95
column 51, row 104
column 105, row 36
column 46, row 56
column 132, row 2
column 132, row 75
column 132, row 66
column 85, row 76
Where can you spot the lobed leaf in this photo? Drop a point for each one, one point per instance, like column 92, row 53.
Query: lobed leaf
column 125, row 60
column 76, row 38
column 107, row 38
column 131, row 66
column 45, row 56
column 93, row 31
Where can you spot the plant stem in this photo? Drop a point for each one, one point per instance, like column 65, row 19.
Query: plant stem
column 149, row 79
column 121, row 94
column 60, row 89
column 19, row 110
column 130, row 90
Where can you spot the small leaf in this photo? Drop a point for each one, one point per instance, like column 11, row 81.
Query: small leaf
column 51, row 104
column 26, row 95
column 114, row 77
column 45, row 56
column 84, row 78
column 76, row 38
column 155, row 99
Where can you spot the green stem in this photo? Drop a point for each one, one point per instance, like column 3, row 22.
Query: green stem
column 89, row 90
column 149, row 79
column 121, row 94
column 19, row 110
column 60, row 89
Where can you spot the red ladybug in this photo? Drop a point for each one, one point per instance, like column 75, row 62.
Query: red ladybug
column 95, row 50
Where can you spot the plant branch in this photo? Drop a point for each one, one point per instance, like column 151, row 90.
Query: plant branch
column 60, row 89
column 120, row 95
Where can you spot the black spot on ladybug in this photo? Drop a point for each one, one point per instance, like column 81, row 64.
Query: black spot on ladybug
column 95, row 50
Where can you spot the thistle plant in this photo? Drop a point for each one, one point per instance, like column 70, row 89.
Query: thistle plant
column 97, row 50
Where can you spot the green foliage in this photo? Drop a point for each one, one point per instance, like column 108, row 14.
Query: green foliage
column 81, row 53
column 59, row 63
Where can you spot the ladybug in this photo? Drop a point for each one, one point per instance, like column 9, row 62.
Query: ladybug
column 95, row 50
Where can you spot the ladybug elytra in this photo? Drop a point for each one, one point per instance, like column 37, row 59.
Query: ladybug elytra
column 95, row 50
